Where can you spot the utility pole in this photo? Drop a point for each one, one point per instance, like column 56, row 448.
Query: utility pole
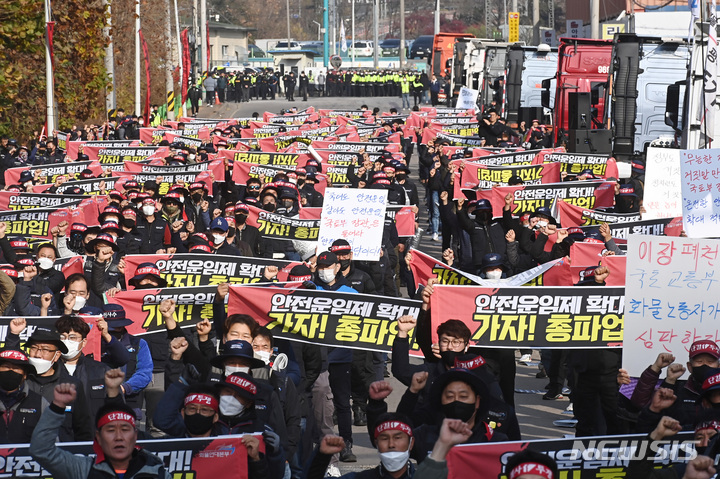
column 183, row 87
column 376, row 18
column 536, row 22
column 487, row 18
column 595, row 18
column 203, row 37
column 352, row 27
column 195, row 35
column 109, row 57
column 551, row 14
column 288, row 23
column 49, row 77
column 437, row 17
column 137, row 57
column 402, row 34
column 326, row 50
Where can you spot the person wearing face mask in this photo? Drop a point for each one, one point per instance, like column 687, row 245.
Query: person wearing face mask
column 151, row 227
column 219, row 230
column 47, row 274
column 129, row 241
column 245, row 232
column 238, row 414
column 32, row 297
column 20, row 404
column 703, row 356
column 104, row 272
column 394, row 439
column 315, row 199
column 88, row 371
column 288, row 202
column 493, row 267
column 252, row 189
column 456, row 394
column 198, row 209
column 44, row 348
column 172, row 209
column 139, row 368
column 486, row 236
column 340, row 360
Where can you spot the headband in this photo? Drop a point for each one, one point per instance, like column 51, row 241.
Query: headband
column 393, row 425
column 116, row 416
column 203, row 400
column 531, row 468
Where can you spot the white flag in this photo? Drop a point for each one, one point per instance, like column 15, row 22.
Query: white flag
column 343, row 45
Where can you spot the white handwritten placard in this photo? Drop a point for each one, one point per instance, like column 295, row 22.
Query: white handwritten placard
column 700, row 170
column 663, row 184
column 672, row 298
column 356, row 215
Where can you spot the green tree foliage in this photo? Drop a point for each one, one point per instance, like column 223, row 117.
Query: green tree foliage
column 80, row 77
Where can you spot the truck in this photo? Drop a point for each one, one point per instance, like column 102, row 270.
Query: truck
column 579, row 103
column 479, row 64
column 442, row 52
column 525, row 69
column 642, row 70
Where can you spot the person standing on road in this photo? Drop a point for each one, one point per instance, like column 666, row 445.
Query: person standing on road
column 210, row 84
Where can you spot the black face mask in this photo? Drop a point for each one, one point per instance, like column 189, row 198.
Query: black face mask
column 128, row 223
column 300, row 182
column 10, row 380
column 240, row 219
column 400, row 178
column 253, row 193
column 449, row 357
column 459, row 410
column 231, row 232
column 344, row 264
column 269, row 207
column 197, row 424
column 699, row 373
column 196, row 197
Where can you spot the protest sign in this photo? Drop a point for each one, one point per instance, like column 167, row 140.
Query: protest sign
column 215, row 167
column 662, row 192
column 26, row 201
column 404, row 218
column 571, row 215
column 76, row 147
column 164, row 180
column 672, row 297
column 700, row 172
column 357, row 146
column 602, row 166
column 539, row 317
column 467, row 98
column 272, row 225
column 180, row 270
column 92, row 186
column 357, row 216
column 142, row 306
column 656, row 227
column 186, row 458
column 48, row 173
column 577, row 458
column 118, row 155
column 351, row 320
column 289, row 160
column 477, row 175
column 35, row 222
column 527, row 199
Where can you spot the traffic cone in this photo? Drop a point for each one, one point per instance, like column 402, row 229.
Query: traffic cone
column 217, row 99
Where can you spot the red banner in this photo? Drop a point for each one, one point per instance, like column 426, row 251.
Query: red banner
column 146, row 56
column 571, row 215
column 186, row 64
column 475, row 175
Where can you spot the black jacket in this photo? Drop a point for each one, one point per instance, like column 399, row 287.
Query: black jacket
column 152, row 234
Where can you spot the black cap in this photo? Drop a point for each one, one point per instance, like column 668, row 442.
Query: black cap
column 326, row 258
column 50, row 336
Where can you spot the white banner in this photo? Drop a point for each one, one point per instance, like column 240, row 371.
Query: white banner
column 467, row 98
column 710, row 81
column 672, row 298
column 356, row 215
column 663, row 185
column 343, row 45
column 700, row 172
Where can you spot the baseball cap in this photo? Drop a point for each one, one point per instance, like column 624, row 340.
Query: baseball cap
column 326, row 258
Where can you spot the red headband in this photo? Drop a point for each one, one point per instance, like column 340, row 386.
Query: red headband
column 393, row 425
column 116, row 416
column 531, row 468
column 203, row 400
column 712, row 425
column 300, row 278
column 201, row 247
column 471, row 364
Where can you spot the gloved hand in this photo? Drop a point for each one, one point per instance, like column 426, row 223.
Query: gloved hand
column 272, row 440
column 280, row 363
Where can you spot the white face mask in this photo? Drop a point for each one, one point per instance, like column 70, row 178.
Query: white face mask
column 79, row 303
column 229, row 370
column 73, row 349
column 191, row 157
column 263, row 356
column 41, row 365
column 229, row 406
column 45, row 263
column 541, row 224
column 327, row 274
column 218, row 239
column 494, row 274
column 394, row 460
column 148, row 210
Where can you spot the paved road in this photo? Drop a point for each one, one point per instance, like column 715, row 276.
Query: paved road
column 535, row 415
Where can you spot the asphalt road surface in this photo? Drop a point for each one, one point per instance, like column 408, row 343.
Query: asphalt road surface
column 536, row 416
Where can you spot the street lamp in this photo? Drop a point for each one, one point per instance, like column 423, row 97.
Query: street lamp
column 319, row 27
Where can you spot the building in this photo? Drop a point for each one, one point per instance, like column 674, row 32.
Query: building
column 228, row 44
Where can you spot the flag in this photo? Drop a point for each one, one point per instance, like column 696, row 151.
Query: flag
column 186, row 63
column 343, row 45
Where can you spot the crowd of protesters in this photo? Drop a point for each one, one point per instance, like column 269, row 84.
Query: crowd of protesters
column 232, row 376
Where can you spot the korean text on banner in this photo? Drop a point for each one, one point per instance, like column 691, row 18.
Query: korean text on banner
column 673, row 298
column 700, row 170
column 467, row 98
column 663, row 191
column 357, row 216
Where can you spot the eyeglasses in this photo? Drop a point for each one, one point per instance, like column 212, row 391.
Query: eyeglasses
column 454, row 342
column 44, row 351
column 253, row 187
column 73, row 337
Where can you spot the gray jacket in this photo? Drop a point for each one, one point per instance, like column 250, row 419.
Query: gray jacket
column 62, row 463
column 210, row 83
